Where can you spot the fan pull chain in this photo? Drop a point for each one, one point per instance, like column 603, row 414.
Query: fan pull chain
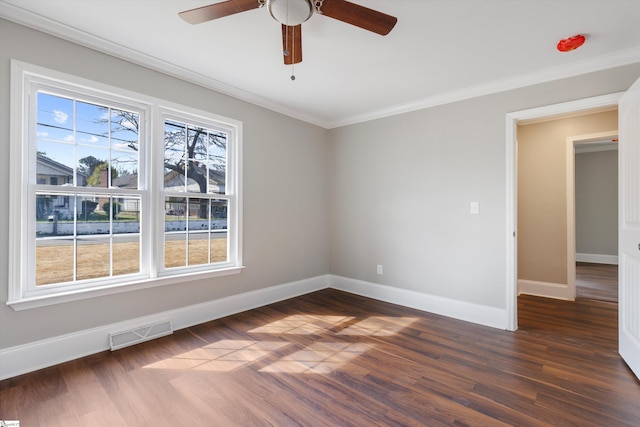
column 286, row 34
column 286, row 41
column 285, row 51
column 293, row 58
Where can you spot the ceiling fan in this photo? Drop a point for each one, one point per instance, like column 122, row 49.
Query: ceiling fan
column 292, row 13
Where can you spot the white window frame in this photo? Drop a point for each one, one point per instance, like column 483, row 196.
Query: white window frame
column 193, row 117
column 26, row 78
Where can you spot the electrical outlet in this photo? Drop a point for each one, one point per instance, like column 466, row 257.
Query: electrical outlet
column 379, row 269
column 474, row 208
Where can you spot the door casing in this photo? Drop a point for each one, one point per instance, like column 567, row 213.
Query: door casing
column 550, row 112
column 572, row 143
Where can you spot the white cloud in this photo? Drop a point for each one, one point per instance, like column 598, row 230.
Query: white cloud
column 68, row 138
column 128, row 125
column 42, row 134
column 92, row 139
column 60, row 116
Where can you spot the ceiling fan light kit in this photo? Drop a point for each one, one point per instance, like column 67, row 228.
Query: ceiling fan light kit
column 292, row 13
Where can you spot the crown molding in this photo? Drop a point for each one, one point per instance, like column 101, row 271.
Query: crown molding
column 82, row 38
column 613, row 60
column 43, row 24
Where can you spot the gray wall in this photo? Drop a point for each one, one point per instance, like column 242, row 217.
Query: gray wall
column 401, row 188
column 393, row 191
column 285, row 191
column 597, row 202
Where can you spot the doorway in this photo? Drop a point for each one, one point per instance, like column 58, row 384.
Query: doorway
column 552, row 112
column 546, row 197
column 595, row 219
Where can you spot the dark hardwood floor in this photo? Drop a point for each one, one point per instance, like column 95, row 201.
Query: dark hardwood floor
column 334, row 359
column 597, row 281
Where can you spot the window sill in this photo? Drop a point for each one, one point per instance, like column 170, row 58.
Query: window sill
column 80, row 294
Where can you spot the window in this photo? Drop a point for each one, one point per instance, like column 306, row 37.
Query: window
column 97, row 206
column 195, row 193
column 86, row 225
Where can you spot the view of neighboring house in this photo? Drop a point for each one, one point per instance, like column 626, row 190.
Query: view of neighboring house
column 176, row 181
column 50, row 172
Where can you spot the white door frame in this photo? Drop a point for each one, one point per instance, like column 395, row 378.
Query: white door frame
column 573, row 142
column 549, row 112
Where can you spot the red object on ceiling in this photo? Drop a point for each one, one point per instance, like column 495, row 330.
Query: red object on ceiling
column 572, row 43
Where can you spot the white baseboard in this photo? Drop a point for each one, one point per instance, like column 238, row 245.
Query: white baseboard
column 544, row 289
column 597, row 258
column 41, row 354
column 21, row 359
column 470, row 312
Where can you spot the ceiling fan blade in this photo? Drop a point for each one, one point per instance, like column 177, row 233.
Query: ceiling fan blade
column 360, row 16
column 292, row 44
column 217, row 10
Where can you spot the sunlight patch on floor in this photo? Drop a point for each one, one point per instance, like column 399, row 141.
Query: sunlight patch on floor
column 379, row 326
column 302, row 324
column 318, row 358
column 221, row 356
column 284, row 354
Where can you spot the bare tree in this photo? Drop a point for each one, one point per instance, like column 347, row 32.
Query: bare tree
column 192, row 152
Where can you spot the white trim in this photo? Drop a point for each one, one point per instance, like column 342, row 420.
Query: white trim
column 461, row 310
column 22, row 293
column 511, row 271
column 545, row 289
column 82, row 38
column 80, row 294
column 598, row 258
column 16, row 203
column 41, row 354
column 548, row 112
column 48, row 26
column 48, row 352
column 570, row 185
column 573, row 69
column 586, row 148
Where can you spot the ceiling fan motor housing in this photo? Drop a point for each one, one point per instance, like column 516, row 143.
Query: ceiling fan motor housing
column 291, row 12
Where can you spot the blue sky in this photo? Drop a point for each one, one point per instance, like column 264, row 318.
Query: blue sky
column 68, row 131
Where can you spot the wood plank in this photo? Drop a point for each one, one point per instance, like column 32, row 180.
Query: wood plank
column 597, row 281
column 333, row 358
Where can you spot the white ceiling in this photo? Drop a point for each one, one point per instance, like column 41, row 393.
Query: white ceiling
column 439, row 51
